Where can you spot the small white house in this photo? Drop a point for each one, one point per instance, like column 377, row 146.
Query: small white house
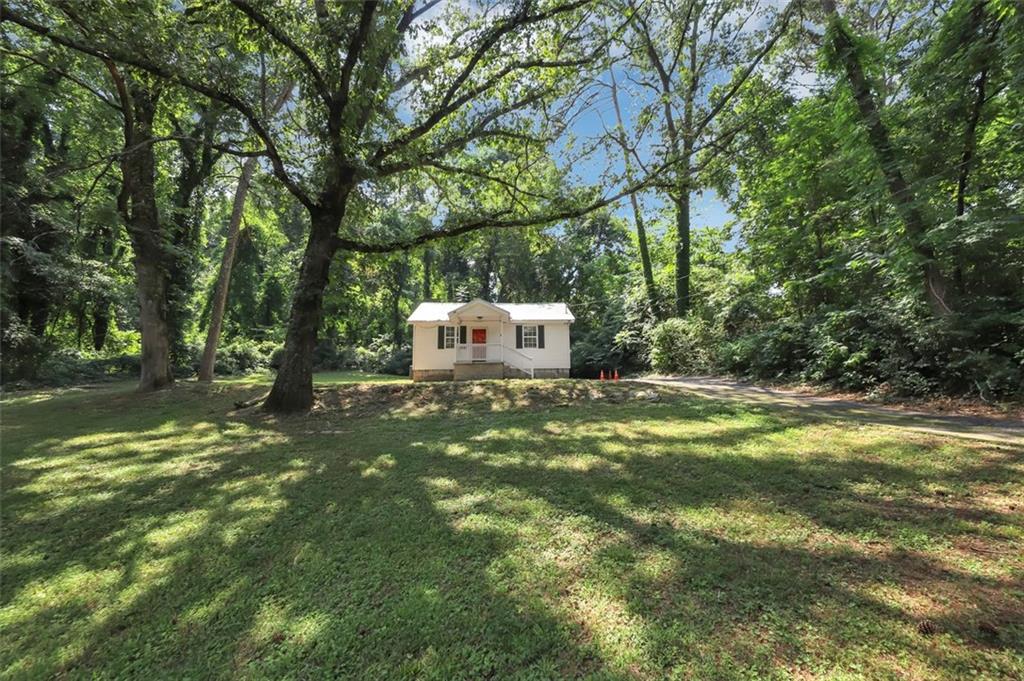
column 478, row 339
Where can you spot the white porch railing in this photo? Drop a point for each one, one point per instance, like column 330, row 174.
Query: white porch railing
column 493, row 352
column 478, row 352
column 520, row 361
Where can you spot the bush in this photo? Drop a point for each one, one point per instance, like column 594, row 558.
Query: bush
column 244, row 356
column 684, row 346
column 329, row 356
column 887, row 350
column 777, row 351
column 382, row 356
column 66, row 367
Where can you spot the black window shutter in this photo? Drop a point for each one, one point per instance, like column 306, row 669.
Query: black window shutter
column 440, row 338
column 540, row 336
column 519, row 336
column 462, row 335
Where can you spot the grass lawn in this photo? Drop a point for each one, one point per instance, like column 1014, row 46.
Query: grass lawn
column 498, row 530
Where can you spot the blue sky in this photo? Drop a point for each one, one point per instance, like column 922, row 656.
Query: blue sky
column 707, row 208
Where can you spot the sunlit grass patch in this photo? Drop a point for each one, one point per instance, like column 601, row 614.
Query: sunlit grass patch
column 567, row 531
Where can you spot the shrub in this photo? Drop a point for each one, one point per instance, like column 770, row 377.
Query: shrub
column 382, row 356
column 329, row 356
column 778, row 351
column 684, row 345
column 888, row 349
column 66, row 367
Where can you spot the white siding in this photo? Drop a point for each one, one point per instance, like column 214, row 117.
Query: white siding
column 554, row 354
column 425, row 354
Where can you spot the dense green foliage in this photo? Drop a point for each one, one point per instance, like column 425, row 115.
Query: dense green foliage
column 818, row 278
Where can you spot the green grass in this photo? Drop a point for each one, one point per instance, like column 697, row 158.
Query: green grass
column 498, row 530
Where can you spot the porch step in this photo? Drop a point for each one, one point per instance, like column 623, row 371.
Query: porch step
column 470, row 371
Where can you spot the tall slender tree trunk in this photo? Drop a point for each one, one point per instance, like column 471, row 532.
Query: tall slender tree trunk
column 638, row 217
column 293, row 387
column 227, row 261
column 428, row 261
column 487, row 271
column 685, row 177
column 900, row 191
column 185, row 220
column 971, row 131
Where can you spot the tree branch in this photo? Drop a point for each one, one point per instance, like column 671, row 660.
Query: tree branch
column 165, row 72
column 282, row 38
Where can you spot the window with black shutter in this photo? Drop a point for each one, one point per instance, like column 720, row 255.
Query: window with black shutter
column 445, row 337
column 531, row 336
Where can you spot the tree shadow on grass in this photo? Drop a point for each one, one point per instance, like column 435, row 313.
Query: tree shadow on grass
column 546, row 545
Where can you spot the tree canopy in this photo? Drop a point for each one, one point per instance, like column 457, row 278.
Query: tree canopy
column 290, row 178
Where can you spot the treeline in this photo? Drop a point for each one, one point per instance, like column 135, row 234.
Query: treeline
column 880, row 212
column 192, row 189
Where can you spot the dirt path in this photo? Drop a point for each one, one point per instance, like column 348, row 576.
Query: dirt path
column 1006, row 431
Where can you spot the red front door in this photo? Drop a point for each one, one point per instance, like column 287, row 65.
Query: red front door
column 479, row 345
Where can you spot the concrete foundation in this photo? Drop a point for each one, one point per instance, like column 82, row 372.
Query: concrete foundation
column 551, row 373
column 473, row 371
column 431, row 374
column 470, row 371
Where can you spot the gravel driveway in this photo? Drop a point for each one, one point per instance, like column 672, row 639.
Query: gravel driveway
column 1008, row 431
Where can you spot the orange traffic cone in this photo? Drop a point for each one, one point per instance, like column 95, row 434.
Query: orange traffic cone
column 602, row 374
column 616, row 374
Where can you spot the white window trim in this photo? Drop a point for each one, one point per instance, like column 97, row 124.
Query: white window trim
column 533, row 338
column 451, row 336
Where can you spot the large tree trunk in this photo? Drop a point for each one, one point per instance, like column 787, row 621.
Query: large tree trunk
column 684, row 178
column 139, row 172
column 100, row 323
column 220, row 291
column 901, row 193
column 156, row 346
column 293, row 387
column 683, row 239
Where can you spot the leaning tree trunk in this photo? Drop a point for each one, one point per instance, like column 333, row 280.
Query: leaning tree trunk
column 293, row 387
column 900, row 191
column 220, row 291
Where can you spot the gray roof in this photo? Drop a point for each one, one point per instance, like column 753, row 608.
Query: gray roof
column 518, row 312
